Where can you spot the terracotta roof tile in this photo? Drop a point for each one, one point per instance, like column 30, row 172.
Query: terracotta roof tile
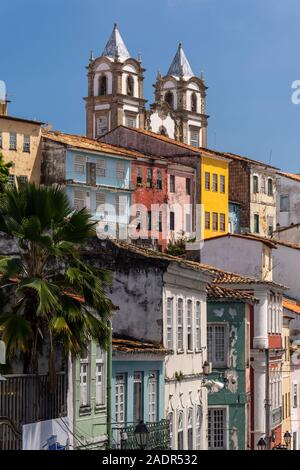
column 219, row 293
column 126, row 344
column 292, row 176
column 82, row 142
column 247, row 236
column 291, row 305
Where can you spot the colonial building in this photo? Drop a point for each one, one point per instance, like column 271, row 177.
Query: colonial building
column 96, row 176
column 138, row 392
column 20, row 143
column 229, row 316
column 253, row 256
column 210, row 169
column 252, row 189
column 162, row 299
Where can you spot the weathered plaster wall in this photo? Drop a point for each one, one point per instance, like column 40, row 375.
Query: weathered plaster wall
column 53, row 168
column 291, row 188
column 234, row 395
column 286, row 262
column 234, row 254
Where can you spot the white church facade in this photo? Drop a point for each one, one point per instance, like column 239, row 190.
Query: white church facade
column 115, row 96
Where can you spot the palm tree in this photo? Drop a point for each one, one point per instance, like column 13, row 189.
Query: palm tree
column 55, row 301
column 4, row 173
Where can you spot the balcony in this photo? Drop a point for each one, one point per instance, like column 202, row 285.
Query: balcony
column 159, row 436
column 26, row 399
column 276, row 417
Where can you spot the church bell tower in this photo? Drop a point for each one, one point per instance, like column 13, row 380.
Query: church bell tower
column 115, row 89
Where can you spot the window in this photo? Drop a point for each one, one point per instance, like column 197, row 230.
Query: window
column 188, row 186
column 101, row 167
column 188, row 223
column 263, row 185
column 101, row 125
column 149, row 178
column 26, row 143
column 180, row 431
column 215, row 221
column 102, row 85
column 120, row 399
column 79, row 199
column 160, row 222
column 153, row 396
column 190, row 429
column 137, row 397
column 222, row 183
column 149, row 220
column 129, row 86
column 270, row 224
column 194, row 137
column 79, row 164
column 172, row 184
column 207, row 220
column 22, row 179
column 284, row 203
column 207, row 181
column 100, row 376
column 222, row 222
column 295, row 446
column 198, row 427
column 12, row 141
column 256, row 223
column 171, row 429
column 138, row 218
column 169, row 98
column 255, row 184
column 216, row 428
column 198, row 325
column 295, row 395
column 172, row 220
column 130, row 120
column 270, row 187
column 180, row 325
column 217, row 344
column 194, row 102
column 11, row 180
column 170, row 323
column 189, row 325
column 139, row 177
column 163, row 131
column 121, row 204
column 1, row 140
column 100, row 202
column 159, row 180
column 84, row 379
column 215, row 182
column 120, row 170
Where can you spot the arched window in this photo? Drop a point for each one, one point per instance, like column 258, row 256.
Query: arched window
column 159, row 180
column 180, row 443
column 190, row 429
column 169, row 98
column 102, row 85
column 194, row 103
column 198, row 427
column 129, row 85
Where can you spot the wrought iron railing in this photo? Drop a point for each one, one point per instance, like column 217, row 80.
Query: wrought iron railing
column 26, row 399
column 159, row 436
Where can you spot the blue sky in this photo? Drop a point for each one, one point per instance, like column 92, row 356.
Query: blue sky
column 248, row 50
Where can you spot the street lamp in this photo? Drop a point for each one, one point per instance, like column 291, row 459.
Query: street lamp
column 141, row 433
column 287, row 438
column 261, row 445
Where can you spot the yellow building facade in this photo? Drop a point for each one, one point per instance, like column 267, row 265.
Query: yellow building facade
column 20, row 143
column 214, row 194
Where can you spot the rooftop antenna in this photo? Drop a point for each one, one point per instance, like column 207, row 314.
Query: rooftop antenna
column 270, row 156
